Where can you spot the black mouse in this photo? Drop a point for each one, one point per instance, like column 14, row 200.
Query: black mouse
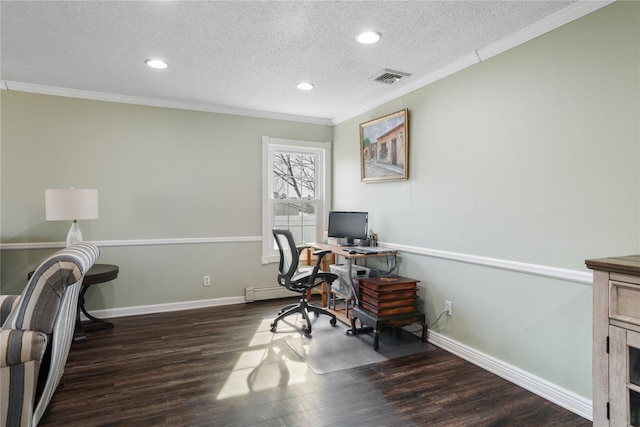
column 352, row 252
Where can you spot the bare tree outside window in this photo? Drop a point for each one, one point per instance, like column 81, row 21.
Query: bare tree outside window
column 294, row 177
column 294, row 193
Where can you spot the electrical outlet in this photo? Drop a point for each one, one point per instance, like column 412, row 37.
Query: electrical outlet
column 447, row 307
column 206, row 281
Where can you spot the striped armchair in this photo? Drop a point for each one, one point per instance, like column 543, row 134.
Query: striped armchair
column 36, row 334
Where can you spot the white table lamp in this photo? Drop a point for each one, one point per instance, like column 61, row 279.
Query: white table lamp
column 71, row 204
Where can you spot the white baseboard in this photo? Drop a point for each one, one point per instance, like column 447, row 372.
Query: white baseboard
column 261, row 293
column 543, row 388
column 161, row 308
column 252, row 294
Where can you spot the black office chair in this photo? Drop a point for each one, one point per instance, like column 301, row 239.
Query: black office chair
column 300, row 280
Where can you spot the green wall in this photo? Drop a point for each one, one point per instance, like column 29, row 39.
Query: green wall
column 160, row 173
column 531, row 156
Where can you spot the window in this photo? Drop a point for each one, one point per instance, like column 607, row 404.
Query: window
column 295, row 184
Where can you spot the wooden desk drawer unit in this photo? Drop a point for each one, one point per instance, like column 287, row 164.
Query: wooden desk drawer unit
column 624, row 300
column 386, row 296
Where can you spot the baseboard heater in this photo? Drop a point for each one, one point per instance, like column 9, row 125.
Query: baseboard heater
column 253, row 293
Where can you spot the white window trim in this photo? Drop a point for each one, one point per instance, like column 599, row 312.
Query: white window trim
column 271, row 144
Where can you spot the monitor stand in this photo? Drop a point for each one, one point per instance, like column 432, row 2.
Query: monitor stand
column 349, row 242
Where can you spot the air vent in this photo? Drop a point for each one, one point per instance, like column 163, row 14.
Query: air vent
column 390, row 77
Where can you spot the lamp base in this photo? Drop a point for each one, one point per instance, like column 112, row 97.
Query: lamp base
column 74, row 235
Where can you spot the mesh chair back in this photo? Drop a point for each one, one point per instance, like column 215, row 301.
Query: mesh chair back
column 289, row 256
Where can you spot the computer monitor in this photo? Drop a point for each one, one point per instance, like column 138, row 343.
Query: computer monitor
column 348, row 225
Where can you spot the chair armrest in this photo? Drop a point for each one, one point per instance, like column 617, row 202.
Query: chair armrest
column 316, row 268
column 301, row 248
column 322, row 252
column 18, row 346
column 7, row 303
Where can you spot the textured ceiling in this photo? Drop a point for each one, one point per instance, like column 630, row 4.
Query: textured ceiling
column 249, row 56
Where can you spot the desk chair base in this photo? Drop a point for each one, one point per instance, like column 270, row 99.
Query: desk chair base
column 303, row 307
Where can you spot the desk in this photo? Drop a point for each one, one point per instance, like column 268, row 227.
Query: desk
column 342, row 251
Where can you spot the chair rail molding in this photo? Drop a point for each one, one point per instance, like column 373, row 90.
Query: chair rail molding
column 585, row 277
column 135, row 242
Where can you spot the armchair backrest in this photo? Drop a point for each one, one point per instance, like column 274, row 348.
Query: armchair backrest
column 38, row 305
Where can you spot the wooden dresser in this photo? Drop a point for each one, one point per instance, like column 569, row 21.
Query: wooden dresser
column 616, row 341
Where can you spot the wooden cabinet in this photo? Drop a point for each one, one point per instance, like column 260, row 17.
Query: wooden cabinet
column 387, row 302
column 386, row 296
column 616, row 341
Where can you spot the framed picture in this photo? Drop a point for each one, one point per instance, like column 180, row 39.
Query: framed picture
column 384, row 148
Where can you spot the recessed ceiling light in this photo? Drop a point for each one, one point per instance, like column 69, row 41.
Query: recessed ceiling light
column 368, row 37
column 156, row 63
column 304, row 86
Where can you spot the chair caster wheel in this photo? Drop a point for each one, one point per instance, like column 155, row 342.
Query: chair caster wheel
column 307, row 332
column 273, row 327
column 333, row 321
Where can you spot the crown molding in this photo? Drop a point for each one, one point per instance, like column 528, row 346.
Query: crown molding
column 543, row 26
column 408, row 87
column 10, row 85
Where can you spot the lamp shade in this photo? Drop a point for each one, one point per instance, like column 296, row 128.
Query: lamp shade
column 71, row 204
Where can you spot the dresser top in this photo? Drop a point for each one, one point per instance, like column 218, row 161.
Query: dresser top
column 629, row 264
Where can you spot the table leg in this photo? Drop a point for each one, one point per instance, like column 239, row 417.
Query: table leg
column 78, row 332
column 326, row 290
column 361, row 330
column 356, row 299
column 353, row 329
column 308, row 260
column 425, row 328
column 94, row 322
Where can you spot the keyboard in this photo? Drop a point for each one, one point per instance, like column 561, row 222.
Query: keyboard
column 368, row 250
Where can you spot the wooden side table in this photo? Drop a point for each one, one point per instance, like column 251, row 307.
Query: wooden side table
column 98, row 273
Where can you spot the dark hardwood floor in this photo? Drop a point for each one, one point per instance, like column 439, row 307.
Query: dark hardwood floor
column 222, row 367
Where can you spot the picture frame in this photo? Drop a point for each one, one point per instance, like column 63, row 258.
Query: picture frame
column 384, row 148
